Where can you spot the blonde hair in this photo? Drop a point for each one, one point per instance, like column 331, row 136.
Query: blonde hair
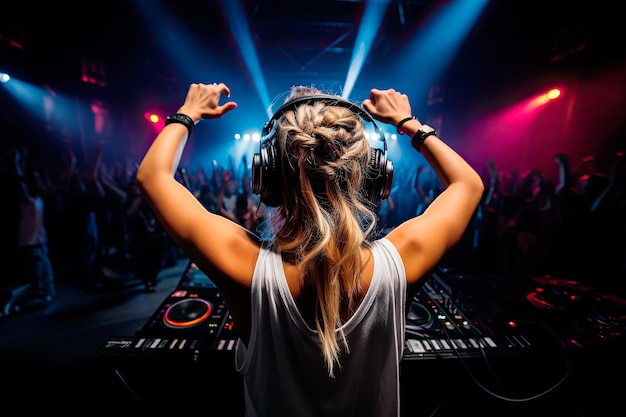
column 326, row 217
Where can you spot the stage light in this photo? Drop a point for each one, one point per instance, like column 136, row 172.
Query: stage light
column 152, row 117
column 553, row 94
column 4, row 77
column 541, row 100
column 254, row 136
column 155, row 120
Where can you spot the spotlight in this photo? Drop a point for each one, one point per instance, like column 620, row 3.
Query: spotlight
column 152, row 117
column 554, row 93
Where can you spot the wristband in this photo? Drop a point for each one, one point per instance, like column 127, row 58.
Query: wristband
column 403, row 121
column 182, row 119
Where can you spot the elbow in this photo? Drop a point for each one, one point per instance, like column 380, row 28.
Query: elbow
column 150, row 179
column 142, row 177
column 480, row 185
column 477, row 187
column 480, row 190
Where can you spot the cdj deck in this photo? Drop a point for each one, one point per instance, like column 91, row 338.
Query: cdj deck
column 191, row 322
column 446, row 319
column 509, row 344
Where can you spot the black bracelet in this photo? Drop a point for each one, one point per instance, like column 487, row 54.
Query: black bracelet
column 182, row 119
column 403, row 121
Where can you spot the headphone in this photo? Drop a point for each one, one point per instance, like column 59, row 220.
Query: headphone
column 266, row 164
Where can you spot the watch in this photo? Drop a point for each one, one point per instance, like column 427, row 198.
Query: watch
column 424, row 132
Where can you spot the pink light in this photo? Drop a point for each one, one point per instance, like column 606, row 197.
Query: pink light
column 553, row 94
column 154, row 118
column 541, row 99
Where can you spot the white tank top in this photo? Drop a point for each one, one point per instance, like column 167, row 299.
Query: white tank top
column 283, row 368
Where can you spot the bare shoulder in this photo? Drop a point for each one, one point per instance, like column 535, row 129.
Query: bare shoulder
column 417, row 247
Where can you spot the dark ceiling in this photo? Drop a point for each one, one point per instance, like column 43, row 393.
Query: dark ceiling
column 295, row 41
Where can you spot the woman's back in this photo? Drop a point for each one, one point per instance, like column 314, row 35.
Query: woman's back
column 284, row 349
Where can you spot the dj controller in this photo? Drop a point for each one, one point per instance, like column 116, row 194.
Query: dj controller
column 189, row 324
column 441, row 324
column 461, row 330
column 451, row 316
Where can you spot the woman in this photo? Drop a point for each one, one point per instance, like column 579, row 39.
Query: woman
column 320, row 308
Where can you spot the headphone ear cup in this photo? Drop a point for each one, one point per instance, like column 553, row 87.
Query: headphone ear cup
column 379, row 176
column 256, row 180
column 266, row 174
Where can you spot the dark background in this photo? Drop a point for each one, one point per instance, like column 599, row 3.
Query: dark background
column 515, row 50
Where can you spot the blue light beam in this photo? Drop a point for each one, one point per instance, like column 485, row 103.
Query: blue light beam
column 370, row 24
column 180, row 46
column 434, row 46
column 233, row 12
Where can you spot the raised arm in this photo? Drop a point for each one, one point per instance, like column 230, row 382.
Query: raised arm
column 424, row 239
column 220, row 247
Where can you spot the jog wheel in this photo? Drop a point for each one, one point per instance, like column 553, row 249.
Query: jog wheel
column 187, row 313
column 419, row 317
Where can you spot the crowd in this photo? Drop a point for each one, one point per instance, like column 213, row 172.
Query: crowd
column 87, row 224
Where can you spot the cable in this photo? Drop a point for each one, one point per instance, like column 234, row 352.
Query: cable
column 543, row 393
column 479, row 336
column 133, row 392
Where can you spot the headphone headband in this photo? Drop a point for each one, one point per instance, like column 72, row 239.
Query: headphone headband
column 325, row 98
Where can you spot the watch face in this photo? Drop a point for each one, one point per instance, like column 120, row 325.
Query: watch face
column 427, row 129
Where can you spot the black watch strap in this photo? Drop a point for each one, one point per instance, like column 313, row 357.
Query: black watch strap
column 423, row 132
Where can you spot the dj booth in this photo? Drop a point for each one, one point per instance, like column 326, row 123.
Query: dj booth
column 473, row 343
